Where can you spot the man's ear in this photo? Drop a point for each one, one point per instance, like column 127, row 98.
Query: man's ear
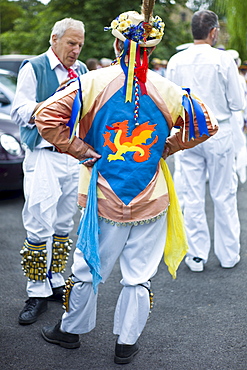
column 213, row 36
column 54, row 38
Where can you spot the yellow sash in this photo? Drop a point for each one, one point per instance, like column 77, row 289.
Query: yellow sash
column 176, row 245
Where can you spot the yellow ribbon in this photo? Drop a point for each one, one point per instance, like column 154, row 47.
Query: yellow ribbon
column 176, row 245
column 131, row 67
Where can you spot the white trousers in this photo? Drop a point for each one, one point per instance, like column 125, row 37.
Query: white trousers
column 140, row 249
column 50, row 189
column 216, row 156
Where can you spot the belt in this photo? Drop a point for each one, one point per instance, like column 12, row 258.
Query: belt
column 51, row 148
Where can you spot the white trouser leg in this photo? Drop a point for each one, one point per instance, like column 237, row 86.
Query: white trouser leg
column 139, row 262
column 41, row 218
column 223, row 190
column 178, row 178
column 216, row 155
column 140, row 249
column 193, row 167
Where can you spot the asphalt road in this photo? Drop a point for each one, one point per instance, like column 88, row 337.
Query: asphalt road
column 198, row 321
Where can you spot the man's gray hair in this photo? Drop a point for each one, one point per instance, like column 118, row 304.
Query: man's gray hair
column 61, row 27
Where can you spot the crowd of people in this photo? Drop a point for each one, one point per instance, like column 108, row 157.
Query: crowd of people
column 104, row 130
column 94, row 63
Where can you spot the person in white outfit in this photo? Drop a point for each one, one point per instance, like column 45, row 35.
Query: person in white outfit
column 50, row 178
column 212, row 75
column 237, row 119
column 122, row 139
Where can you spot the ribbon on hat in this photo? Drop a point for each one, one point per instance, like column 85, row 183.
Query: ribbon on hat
column 141, row 69
column 133, row 68
column 129, row 47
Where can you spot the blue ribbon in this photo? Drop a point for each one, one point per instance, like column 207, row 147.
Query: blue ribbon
column 200, row 117
column 188, row 103
column 75, row 108
column 187, row 106
column 88, row 231
column 123, row 64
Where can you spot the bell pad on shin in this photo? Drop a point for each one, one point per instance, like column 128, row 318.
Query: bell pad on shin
column 69, row 283
column 60, row 253
column 34, row 260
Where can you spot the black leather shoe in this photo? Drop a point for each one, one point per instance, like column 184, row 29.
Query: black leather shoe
column 57, row 294
column 33, row 309
column 53, row 334
column 124, row 353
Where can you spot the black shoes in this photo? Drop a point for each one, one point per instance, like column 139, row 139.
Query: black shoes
column 124, row 353
column 33, row 309
column 53, row 334
column 57, row 294
column 36, row 306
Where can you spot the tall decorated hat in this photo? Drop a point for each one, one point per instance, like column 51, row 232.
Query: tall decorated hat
column 143, row 28
column 137, row 31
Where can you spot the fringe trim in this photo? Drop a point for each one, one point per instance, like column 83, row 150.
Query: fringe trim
column 134, row 223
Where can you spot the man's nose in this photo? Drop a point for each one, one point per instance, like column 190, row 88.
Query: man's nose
column 77, row 49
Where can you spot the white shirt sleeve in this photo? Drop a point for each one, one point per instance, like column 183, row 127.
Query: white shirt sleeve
column 234, row 92
column 25, row 97
column 170, row 70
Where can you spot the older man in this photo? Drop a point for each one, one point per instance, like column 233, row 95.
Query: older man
column 50, row 178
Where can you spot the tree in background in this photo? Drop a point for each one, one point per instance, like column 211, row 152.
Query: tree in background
column 9, row 11
column 236, row 14
column 233, row 13
column 26, row 24
column 33, row 24
column 20, row 37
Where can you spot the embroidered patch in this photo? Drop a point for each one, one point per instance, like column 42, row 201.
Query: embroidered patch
column 136, row 142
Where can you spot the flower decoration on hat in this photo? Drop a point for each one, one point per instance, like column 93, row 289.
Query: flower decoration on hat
column 132, row 26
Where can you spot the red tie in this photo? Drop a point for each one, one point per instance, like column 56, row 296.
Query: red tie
column 71, row 73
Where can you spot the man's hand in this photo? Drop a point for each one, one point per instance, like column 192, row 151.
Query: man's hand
column 90, row 157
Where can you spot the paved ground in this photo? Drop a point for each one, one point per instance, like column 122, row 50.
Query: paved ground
column 198, row 321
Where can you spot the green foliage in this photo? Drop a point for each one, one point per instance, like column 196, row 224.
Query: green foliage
column 31, row 30
column 175, row 34
column 236, row 13
column 9, row 11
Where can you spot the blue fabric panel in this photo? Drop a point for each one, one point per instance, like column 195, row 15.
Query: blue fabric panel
column 127, row 177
